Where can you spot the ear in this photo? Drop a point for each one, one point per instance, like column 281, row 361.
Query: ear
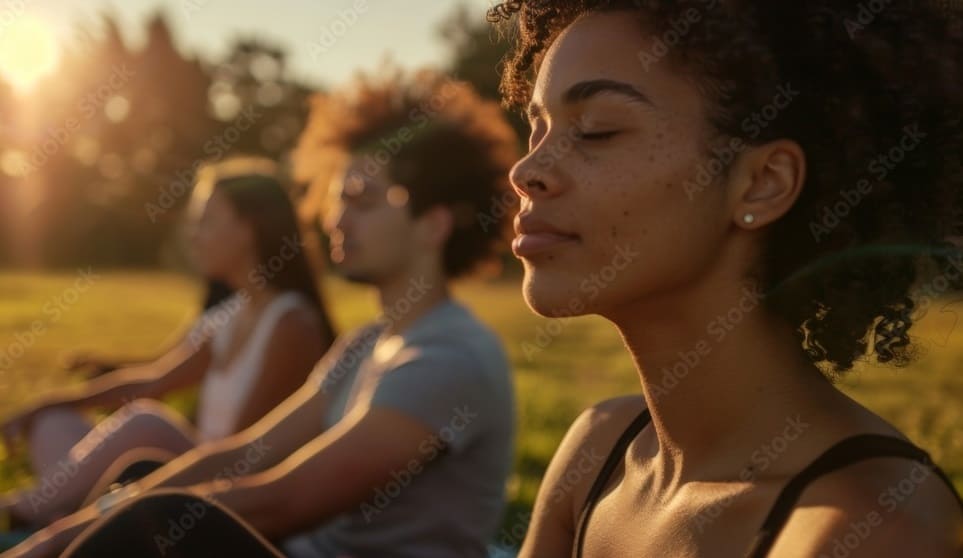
column 765, row 182
column 435, row 225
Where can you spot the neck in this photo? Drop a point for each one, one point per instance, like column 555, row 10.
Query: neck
column 256, row 289
column 409, row 296
column 720, row 375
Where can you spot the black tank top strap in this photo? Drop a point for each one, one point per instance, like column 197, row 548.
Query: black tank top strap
column 846, row 452
column 611, row 462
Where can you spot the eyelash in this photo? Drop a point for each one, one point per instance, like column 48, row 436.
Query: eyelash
column 596, row 136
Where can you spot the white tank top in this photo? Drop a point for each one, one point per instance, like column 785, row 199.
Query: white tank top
column 224, row 391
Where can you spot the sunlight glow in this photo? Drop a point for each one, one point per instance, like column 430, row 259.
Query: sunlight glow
column 28, row 51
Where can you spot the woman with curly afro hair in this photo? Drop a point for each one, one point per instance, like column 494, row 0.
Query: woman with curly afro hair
column 749, row 190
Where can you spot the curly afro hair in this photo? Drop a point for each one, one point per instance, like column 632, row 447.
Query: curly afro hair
column 436, row 136
column 878, row 115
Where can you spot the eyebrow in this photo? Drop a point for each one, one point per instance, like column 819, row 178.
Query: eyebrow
column 584, row 90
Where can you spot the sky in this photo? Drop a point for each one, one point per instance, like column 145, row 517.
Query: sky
column 326, row 40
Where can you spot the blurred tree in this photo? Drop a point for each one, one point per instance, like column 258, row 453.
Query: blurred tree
column 253, row 79
column 129, row 143
column 6, row 182
column 110, row 159
column 476, row 55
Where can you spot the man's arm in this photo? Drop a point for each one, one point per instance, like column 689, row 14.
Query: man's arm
column 50, row 541
column 334, row 473
column 293, row 423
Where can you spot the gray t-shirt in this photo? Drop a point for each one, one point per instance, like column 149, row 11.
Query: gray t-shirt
column 450, row 372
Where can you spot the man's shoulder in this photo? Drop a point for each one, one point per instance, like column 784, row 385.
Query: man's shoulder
column 462, row 329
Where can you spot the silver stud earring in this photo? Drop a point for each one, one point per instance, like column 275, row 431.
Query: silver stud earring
column 748, row 218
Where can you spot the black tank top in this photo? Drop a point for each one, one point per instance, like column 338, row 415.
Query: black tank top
column 846, row 452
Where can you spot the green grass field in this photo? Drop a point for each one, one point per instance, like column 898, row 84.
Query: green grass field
column 581, row 361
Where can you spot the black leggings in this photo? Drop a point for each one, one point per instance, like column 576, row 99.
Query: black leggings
column 171, row 524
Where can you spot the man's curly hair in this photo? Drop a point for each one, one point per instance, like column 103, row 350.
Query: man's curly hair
column 436, row 136
column 839, row 267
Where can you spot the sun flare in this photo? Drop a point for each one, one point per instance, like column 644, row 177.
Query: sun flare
column 28, row 51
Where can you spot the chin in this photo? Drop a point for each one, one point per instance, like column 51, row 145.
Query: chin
column 553, row 296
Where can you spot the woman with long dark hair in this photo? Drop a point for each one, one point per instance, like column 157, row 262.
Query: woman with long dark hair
column 247, row 353
column 749, row 190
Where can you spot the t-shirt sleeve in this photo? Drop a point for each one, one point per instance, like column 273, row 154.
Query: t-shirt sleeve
column 346, row 351
column 441, row 387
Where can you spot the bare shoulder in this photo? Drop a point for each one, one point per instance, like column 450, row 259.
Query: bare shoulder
column 572, row 471
column 604, row 422
column 297, row 326
column 588, row 443
column 878, row 507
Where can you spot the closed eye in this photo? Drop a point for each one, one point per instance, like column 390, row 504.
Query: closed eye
column 596, row 135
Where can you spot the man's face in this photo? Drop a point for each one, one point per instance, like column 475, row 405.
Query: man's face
column 369, row 224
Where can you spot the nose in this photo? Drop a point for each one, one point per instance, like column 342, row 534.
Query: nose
column 534, row 176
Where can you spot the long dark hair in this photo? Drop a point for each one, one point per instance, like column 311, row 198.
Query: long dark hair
column 256, row 191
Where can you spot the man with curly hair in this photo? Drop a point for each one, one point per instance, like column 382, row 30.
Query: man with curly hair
column 401, row 442
column 740, row 146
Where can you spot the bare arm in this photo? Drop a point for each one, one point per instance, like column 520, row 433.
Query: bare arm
column 875, row 508
column 293, row 423
column 180, row 367
column 288, row 427
column 325, row 478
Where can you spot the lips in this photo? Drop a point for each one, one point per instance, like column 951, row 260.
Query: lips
column 537, row 236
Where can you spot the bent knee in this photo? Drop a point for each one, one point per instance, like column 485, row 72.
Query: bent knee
column 58, row 423
column 145, row 423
